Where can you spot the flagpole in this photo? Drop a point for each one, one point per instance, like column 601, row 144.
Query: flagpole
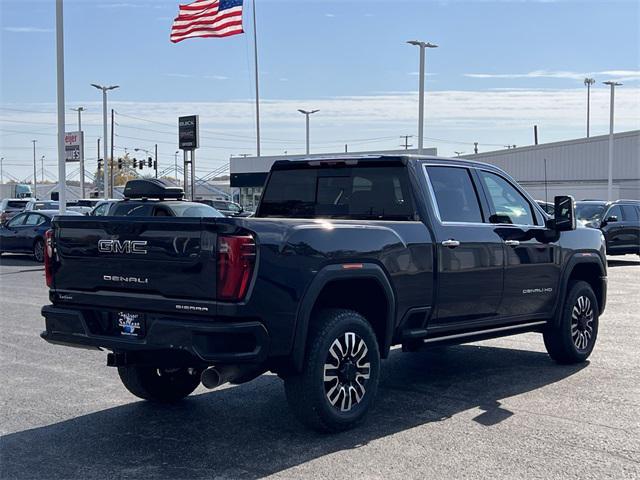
column 255, row 56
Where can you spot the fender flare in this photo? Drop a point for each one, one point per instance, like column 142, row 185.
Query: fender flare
column 576, row 259
column 322, row 278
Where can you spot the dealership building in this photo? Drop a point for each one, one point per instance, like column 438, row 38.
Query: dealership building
column 572, row 167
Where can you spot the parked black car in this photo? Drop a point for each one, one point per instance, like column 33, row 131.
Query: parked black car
column 345, row 257
column 619, row 221
column 24, row 233
column 228, row 209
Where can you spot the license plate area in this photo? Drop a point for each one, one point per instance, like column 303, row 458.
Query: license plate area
column 130, row 324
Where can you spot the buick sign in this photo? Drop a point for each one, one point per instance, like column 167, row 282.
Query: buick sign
column 188, row 132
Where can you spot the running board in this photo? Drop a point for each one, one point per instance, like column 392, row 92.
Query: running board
column 473, row 336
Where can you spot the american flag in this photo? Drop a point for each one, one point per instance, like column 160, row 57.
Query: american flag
column 207, row 18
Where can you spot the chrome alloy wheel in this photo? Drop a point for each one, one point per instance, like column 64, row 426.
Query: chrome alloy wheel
column 582, row 322
column 346, row 371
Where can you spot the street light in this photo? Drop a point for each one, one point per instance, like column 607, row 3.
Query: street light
column 35, row 176
column 104, row 124
column 42, row 168
column 423, row 46
column 80, row 110
column 175, row 165
column 306, row 113
column 588, row 82
column 613, row 86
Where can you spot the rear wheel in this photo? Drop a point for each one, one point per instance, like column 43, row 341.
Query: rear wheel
column 38, row 250
column 573, row 339
column 339, row 380
column 164, row 385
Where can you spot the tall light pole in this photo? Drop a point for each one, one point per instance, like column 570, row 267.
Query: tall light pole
column 175, row 165
column 1, row 171
column 307, row 113
column 423, row 46
column 42, row 168
column 35, row 176
column 613, row 86
column 104, row 141
column 588, row 82
column 80, row 110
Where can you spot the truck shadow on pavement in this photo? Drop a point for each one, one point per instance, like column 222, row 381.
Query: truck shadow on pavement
column 247, row 431
column 20, row 261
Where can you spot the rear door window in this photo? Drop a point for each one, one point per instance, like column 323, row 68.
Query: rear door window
column 455, row 195
column 34, row 219
column 629, row 213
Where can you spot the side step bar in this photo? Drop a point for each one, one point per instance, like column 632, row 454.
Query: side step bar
column 417, row 338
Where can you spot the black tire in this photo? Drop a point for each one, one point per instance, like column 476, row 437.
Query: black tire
column 573, row 339
column 38, row 250
column 343, row 401
column 159, row 385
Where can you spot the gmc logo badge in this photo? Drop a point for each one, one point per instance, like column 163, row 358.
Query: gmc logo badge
column 125, row 246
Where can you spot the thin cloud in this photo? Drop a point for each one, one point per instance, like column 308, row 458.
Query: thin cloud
column 120, row 5
column 621, row 74
column 330, row 15
column 27, row 30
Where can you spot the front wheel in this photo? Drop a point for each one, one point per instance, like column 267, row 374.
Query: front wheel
column 165, row 385
column 339, row 380
column 573, row 339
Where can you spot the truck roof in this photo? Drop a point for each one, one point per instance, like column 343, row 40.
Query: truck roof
column 354, row 158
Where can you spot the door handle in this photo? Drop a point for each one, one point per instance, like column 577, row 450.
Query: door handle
column 451, row 243
column 512, row 243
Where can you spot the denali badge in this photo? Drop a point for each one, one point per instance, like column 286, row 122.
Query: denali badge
column 124, row 246
column 117, row 278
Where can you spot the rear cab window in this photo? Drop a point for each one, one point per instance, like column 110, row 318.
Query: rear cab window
column 456, row 199
column 341, row 192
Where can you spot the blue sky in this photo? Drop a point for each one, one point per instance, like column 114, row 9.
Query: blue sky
column 501, row 67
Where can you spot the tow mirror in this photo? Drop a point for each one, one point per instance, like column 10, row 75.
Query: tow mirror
column 565, row 213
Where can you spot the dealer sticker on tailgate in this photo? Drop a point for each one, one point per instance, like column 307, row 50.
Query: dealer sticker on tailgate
column 130, row 324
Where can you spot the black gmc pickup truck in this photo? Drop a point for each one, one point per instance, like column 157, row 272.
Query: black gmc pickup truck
column 344, row 258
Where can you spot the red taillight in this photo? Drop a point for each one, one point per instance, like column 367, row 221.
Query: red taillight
column 236, row 259
column 48, row 257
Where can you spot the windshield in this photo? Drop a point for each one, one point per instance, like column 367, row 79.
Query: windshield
column 195, row 210
column 589, row 211
column 16, row 204
column 45, row 205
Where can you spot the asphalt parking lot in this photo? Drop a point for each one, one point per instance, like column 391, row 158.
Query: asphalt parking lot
column 496, row 409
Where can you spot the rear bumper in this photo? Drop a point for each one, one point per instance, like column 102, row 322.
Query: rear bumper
column 209, row 342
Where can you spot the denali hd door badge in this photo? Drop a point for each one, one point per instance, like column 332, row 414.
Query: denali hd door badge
column 123, row 246
column 537, row 290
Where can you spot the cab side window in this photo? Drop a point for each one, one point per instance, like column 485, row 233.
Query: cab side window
column 455, row 195
column 614, row 211
column 508, row 204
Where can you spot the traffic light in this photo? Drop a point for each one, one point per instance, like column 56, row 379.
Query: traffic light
column 119, row 164
column 99, row 164
column 150, row 160
column 135, row 163
column 155, row 165
column 141, row 164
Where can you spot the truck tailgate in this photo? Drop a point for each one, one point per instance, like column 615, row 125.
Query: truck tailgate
column 169, row 257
